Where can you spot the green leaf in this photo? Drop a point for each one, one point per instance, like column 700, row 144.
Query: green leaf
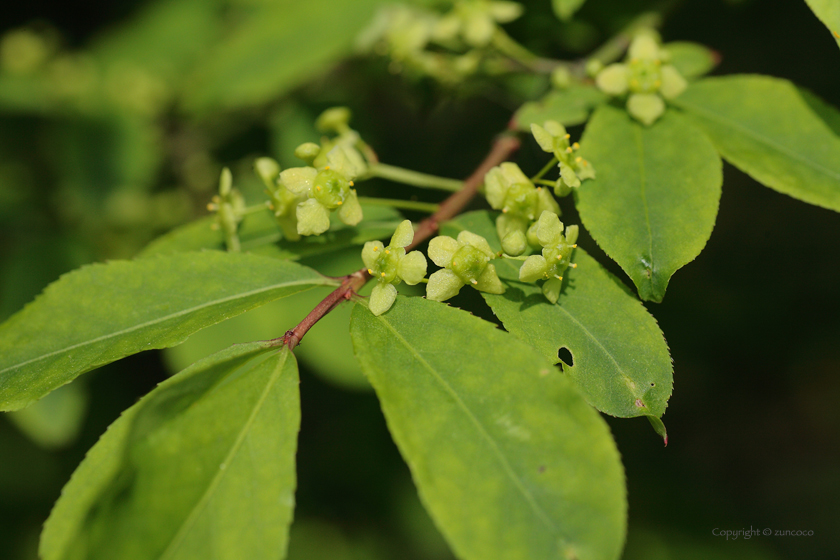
column 327, row 345
column 103, row 312
column 828, row 11
column 692, row 60
column 763, row 127
column 569, row 107
column 201, row 467
column 654, row 202
column 829, row 114
column 56, row 420
column 165, row 37
column 259, row 233
column 566, row 8
column 507, row 457
column 280, row 45
column 620, row 360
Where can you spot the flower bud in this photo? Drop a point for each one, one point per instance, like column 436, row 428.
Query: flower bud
column 335, row 119
column 268, row 170
column 307, row 152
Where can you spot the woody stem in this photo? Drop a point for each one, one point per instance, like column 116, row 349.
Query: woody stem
column 502, row 148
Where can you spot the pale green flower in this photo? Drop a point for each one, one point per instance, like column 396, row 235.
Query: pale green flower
column 646, row 76
column 553, row 138
column 556, row 255
column 465, row 260
column 476, row 20
column 325, row 189
column 391, row 265
column 508, row 189
column 282, row 201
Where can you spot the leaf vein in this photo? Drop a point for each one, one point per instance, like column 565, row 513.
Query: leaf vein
column 161, row 320
column 506, row 466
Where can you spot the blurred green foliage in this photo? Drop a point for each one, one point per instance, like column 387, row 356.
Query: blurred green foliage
column 114, row 125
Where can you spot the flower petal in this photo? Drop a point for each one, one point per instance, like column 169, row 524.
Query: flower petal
column 313, row 218
column 382, row 298
column 350, row 212
column 533, row 268
column 441, row 249
column 404, row 235
column 613, row 80
column 371, row 252
column 443, row 285
column 549, row 229
column 489, row 281
column 551, row 289
column 645, row 107
column 673, row 83
column 412, row 268
column 470, row 238
column 298, row 179
column 543, row 138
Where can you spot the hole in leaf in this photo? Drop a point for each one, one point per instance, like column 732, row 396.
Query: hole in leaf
column 565, row 357
column 652, row 384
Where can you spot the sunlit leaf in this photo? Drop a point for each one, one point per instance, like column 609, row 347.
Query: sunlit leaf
column 275, row 48
column 327, row 345
column 654, row 202
column 507, row 457
column 692, row 60
column 202, row 467
column 569, row 107
column 619, row 358
column 829, row 114
column 103, row 312
column 762, row 126
column 829, row 13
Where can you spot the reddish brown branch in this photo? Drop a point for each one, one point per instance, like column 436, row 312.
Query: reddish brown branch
column 502, row 148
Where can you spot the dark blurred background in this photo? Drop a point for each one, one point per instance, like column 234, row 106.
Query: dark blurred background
column 114, row 125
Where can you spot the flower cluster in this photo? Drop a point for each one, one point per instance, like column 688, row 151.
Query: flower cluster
column 508, row 189
column 303, row 197
column 465, row 260
column 391, row 265
column 556, row 254
column 646, row 76
column 475, row 21
column 553, row 138
column 448, row 47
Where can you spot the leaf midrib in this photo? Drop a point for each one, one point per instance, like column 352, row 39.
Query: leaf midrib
column 627, row 379
column 201, row 504
column 313, row 282
column 642, row 186
column 758, row 137
column 506, row 466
